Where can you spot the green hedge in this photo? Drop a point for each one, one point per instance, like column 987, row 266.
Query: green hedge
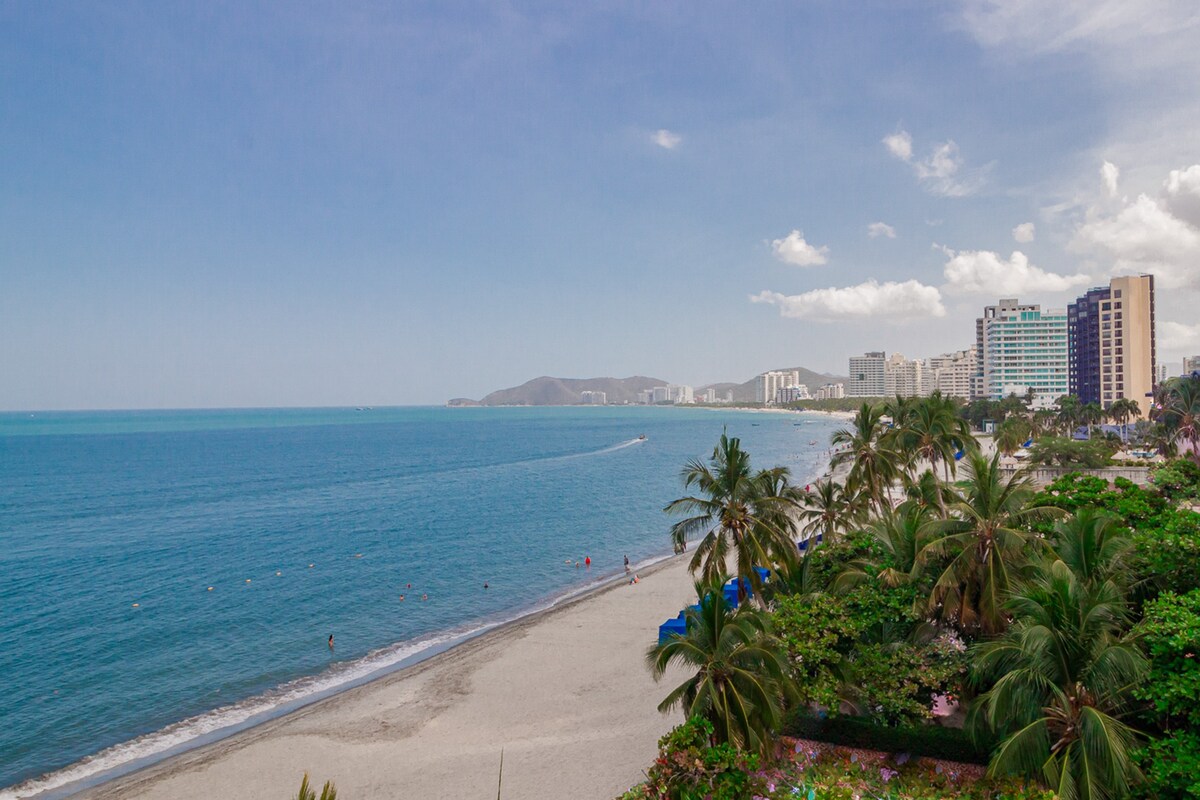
column 933, row 741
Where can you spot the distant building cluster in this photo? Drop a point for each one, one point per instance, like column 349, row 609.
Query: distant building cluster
column 781, row 386
column 589, row 398
column 1101, row 349
column 671, row 394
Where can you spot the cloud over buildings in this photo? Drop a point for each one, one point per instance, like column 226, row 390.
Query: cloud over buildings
column 888, row 300
column 988, row 273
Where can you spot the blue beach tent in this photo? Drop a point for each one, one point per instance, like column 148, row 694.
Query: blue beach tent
column 672, row 627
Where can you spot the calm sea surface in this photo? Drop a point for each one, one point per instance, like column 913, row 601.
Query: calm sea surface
column 304, row 523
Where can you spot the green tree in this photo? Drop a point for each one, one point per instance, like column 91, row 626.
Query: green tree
column 737, row 511
column 1122, row 411
column 1095, row 546
column 874, row 465
column 1180, row 413
column 1060, row 683
column 828, row 510
column 931, row 431
column 1011, row 434
column 1070, row 412
column 984, row 547
column 1091, row 414
column 740, row 681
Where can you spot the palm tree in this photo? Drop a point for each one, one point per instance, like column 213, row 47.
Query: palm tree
column 1062, row 675
column 1091, row 414
column 1122, row 411
column 1012, row 434
column 737, row 510
column 928, row 491
column 1094, row 545
column 740, row 681
column 897, row 535
column 873, row 463
column 932, row 431
column 828, row 510
column 1180, row 413
column 986, row 546
column 1069, row 409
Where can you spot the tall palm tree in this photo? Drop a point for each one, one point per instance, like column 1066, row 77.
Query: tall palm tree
column 928, row 491
column 1091, row 414
column 873, row 463
column 932, row 431
column 828, row 510
column 985, row 547
column 1122, row 411
column 1069, row 409
column 737, row 511
column 740, row 681
column 1062, row 675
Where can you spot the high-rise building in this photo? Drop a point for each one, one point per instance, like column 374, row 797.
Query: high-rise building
column 904, row 377
column 1191, row 364
column 681, row 395
column 830, row 391
column 767, row 385
column 590, row 398
column 950, row 374
column 660, row 394
column 792, row 394
column 1021, row 350
column 868, row 375
column 1112, row 348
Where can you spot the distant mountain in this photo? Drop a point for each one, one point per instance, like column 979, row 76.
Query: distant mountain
column 744, row 392
column 547, row 391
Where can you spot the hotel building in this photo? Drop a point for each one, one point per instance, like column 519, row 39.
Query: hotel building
column 1111, row 337
column 1020, row 349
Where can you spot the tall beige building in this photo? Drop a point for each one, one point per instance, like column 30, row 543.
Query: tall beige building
column 951, row 373
column 1128, row 371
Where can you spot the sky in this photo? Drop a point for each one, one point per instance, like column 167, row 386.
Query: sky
column 307, row 204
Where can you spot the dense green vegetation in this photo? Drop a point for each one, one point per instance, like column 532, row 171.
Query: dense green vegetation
column 1061, row 627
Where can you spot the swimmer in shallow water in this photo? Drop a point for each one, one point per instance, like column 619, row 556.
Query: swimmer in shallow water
column 331, row 641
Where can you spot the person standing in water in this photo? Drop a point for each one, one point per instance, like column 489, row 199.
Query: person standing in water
column 626, row 564
column 331, row 641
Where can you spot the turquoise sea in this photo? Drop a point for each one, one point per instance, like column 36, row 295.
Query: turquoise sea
column 114, row 650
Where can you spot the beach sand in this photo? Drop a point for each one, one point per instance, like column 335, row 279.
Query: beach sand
column 565, row 693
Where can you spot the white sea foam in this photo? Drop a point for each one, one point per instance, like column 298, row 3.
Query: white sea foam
column 227, row 720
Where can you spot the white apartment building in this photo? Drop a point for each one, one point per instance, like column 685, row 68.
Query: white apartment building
column 830, row 391
column 590, row 398
column 868, row 375
column 1191, row 364
column 660, row 394
column 1021, row 349
column 767, row 385
column 904, row 377
column 681, row 395
column 950, row 374
column 792, row 394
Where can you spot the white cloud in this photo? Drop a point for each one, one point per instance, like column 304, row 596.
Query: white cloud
column 1182, row 187
column 792, row 249
column 986, row 272
column 900, row 145
column 877, row 229
column 890, row 300
column 1144, row 236
column 1024, row 232
column 666, row 139
column 1179, row 337
column 941, row 172
column 1110, row 173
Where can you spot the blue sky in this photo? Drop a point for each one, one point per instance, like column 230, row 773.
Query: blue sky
column 256, row 205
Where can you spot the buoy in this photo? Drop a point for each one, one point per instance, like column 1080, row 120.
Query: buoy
column 135, row 605
column 278, row 573
column 210, row 588
column 247, row 580
column 358, row 555
column 310, row 566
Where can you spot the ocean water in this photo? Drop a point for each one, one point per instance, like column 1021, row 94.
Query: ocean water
column 114, row 525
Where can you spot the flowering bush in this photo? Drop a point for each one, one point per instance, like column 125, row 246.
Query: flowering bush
column 690, row 767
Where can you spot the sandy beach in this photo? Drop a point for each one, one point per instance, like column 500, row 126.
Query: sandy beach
column 565, row 693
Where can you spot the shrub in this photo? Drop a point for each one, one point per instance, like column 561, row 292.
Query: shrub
column 690, row 767
column 933, row 741
column 1054, row 451
column 1178, row 479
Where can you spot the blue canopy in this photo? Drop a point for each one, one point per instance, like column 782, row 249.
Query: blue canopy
column 672, row 627
column 1027, row 443
column 958, row 456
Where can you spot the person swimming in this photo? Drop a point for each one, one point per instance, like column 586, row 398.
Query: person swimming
column 331, row 641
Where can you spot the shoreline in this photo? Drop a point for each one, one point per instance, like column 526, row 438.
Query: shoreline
column 156, row 776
